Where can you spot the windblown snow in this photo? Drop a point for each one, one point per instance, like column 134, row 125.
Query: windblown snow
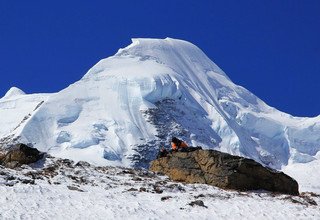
column 128, row 105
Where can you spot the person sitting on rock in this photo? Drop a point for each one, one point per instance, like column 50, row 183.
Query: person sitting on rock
column 162, row 153
column 178, row 145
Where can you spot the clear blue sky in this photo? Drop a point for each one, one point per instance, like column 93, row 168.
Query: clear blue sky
column 270, row 47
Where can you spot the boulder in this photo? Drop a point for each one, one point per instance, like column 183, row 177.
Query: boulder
column 19, row 154
column 223, row 170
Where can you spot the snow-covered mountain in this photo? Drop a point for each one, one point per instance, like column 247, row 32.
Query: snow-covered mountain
column 128, row 105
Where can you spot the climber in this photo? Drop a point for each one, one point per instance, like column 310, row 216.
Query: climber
column 178, row 145
column 162, row 153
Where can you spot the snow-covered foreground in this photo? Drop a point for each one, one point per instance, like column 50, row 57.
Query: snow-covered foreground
column 61, row 189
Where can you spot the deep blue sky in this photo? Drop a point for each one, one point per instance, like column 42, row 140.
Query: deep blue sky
column 270, row 47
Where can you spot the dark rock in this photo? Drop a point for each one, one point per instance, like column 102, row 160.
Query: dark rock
column 224, row 171
column 132, row 190
column 198, row 203
column 311, row 201
column 176, row 187
column 304, row 199
column 10, row 178
column 2, row 155
column 65, row 162
column 164, row 198
column 199, row 196
column 19, row 154
column 28, row 181
column 34, row 175
column 75, row 188
column 50, row 171
column 142, row 189
column 82, row 164
column 128, row 171
column 157, row 189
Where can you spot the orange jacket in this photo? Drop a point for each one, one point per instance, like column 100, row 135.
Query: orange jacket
column 176, row 147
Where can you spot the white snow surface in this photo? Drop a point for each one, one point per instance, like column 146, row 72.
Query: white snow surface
column 16, row 108
column 61, row 189
column 129, row 104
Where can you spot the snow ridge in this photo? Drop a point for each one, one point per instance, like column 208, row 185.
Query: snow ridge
column 12, row 92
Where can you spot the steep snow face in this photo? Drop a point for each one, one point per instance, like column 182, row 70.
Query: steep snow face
column 129, row 104
column 15, row 110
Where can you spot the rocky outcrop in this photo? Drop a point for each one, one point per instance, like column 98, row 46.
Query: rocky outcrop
column 19, row 154
column 224, row 171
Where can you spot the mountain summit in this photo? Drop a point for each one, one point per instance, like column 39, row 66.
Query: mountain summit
column 128, row 105
column 12, row 92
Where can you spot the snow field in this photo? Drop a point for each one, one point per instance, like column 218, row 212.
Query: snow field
column 65, row 190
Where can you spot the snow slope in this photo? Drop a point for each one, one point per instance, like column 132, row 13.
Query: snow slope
column 129, row 104
column 61, row 189
column 16, row 108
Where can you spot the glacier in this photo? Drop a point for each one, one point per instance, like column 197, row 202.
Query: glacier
column 129, row 104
